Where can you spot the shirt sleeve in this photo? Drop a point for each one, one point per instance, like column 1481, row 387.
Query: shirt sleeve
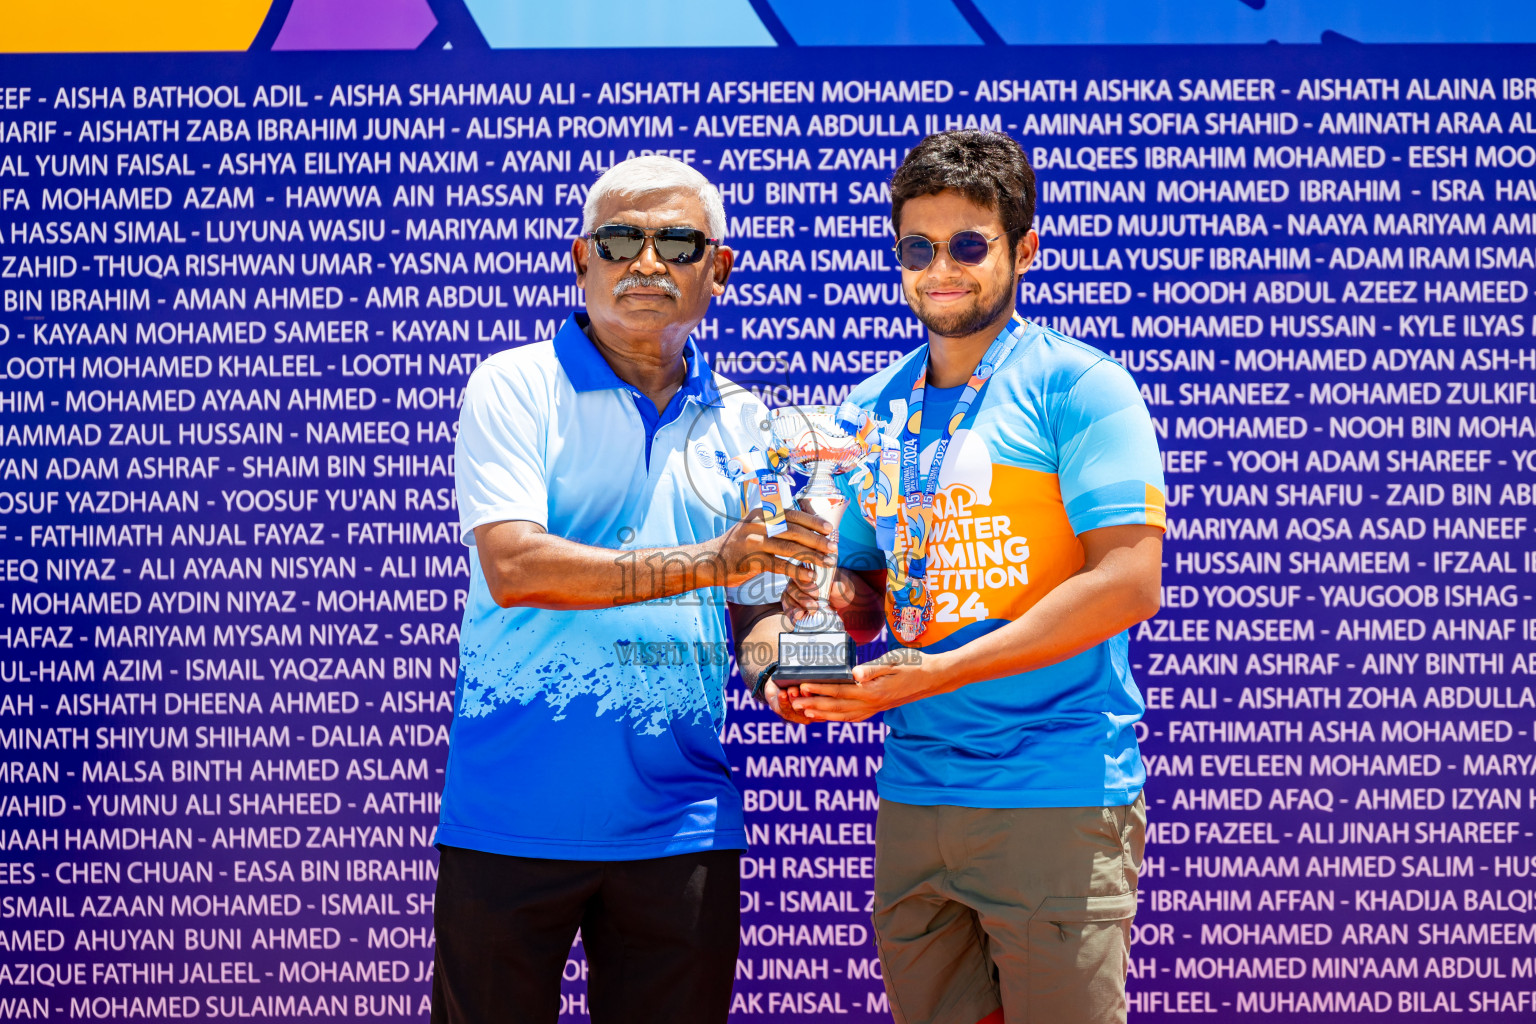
column 499, row 467
column 1109, row 468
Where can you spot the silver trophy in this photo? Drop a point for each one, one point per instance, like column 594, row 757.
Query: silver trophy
column 820, row 447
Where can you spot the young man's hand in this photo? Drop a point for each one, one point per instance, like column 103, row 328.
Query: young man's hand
column 897, row 677
column 781, row 701
column 857, row 598
column 799, row 601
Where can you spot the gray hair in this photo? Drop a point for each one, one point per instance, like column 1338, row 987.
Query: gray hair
column 649, row 175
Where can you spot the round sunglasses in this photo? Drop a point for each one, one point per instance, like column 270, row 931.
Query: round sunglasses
column 970, row 248
column 621, row 243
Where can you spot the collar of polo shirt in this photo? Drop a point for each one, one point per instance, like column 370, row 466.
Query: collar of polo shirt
column 587, row 370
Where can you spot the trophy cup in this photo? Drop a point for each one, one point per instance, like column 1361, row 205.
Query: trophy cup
column 820, row 446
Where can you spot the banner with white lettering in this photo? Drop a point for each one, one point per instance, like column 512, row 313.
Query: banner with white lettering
column 240, row 295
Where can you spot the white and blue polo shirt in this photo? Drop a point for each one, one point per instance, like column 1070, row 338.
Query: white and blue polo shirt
column 595, row 734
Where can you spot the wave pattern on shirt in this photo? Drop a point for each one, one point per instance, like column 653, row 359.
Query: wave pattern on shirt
column 651, row 696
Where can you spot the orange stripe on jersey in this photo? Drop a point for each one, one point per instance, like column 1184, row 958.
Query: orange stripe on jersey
column 993, row 555
column 1157, row 512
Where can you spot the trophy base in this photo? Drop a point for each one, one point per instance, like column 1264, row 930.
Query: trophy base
column 815, row 658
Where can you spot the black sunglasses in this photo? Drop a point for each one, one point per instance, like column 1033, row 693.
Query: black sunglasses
column 914, row 252
column 621, row 243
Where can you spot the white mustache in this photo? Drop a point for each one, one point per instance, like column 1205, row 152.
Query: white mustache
column 629, row 282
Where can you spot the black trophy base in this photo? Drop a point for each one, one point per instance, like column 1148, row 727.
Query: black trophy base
column 814, row 658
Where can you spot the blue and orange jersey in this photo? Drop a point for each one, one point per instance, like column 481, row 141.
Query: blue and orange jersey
column 1060, row 444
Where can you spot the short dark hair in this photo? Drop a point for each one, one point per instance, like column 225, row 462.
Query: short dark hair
column 988, row 168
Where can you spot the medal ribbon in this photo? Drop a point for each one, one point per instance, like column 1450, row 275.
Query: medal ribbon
column 761, row 485
column 907, row 582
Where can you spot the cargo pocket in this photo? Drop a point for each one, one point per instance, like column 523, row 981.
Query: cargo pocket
column 1078, row 953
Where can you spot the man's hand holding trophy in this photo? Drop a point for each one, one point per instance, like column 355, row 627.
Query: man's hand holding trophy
column 821, row 442
column 818, row 444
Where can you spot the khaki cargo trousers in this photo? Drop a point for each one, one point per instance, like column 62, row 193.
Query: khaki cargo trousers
column 1028, row 909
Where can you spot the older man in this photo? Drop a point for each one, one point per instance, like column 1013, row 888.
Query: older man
column 586, row 784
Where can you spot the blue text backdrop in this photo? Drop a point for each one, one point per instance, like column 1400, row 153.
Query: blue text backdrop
column 240, row 295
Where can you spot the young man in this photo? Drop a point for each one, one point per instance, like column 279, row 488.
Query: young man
column 586, row 784
column 1027, row 536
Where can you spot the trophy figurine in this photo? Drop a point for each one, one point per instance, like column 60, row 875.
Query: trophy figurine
column 819, row 444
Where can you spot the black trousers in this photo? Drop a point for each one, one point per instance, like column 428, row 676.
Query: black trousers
column 660, row 937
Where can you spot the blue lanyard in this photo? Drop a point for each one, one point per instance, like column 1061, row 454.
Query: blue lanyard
column 907, row 580
column 960, row 419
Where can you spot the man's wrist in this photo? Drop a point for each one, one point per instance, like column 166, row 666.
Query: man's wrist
column 761, row 683
column 966, row 664
column 946, row 671
column 709, row 564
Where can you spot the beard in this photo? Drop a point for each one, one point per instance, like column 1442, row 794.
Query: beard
column 971, row 318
